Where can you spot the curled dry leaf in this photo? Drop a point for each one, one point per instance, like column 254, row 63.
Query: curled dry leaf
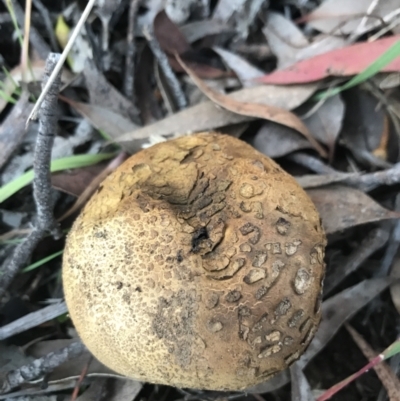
column 335, row 312
column 342, row 207
column 326, row 122
column 256, row 110
column 205, row 116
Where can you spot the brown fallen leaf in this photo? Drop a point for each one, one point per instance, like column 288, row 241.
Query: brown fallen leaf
column 75, row 181
column 172, row 41
column 93, row 185
column 207, row 116
column 256, row 110
column 388, row 378
column 343, row 207
column 12, row 129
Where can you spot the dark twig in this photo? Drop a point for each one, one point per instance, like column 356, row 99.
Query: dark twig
column 163, row 62
column 40, row 366
column 42, row 189
column 129, row 79
column 44, row 13
column 41, row 184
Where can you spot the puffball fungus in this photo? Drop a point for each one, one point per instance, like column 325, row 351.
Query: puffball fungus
column 198, row 263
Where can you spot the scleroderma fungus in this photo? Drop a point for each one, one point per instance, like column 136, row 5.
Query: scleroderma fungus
column 198, row 263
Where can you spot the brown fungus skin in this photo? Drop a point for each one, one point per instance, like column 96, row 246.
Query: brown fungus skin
column 198, row 263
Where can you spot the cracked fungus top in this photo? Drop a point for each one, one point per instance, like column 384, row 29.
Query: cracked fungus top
column 198, row 263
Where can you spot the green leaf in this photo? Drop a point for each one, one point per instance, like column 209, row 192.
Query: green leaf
column 65, row 163
column 386, row 58
column 42, row 262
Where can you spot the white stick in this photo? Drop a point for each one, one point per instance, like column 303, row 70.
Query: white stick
column 64, row 55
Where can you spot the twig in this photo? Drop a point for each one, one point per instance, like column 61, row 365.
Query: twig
column 82, row 376
column 42, row 188
column 41, row 184
column 163, row 62
column 312, row 163
column 129, row 79
column 62, row 59
column 40, row 366
column 25, row 47
column 32, row 320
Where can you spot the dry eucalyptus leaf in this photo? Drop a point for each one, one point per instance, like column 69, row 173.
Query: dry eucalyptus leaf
column 363, row 126
column 256, row 110
column 12, row 129
column 309, row 181
column 284, row 38
column 199, row 29
column 289, row 44
column 206, row 116
column 107, row 120
column 326, row 122
column 103, row 94
column 335, row 17
column 242, row 68
column 276, row 140
column 301, row 390
column 343, row 207
column 335, row 312
column 240, row 12
column 395, row 287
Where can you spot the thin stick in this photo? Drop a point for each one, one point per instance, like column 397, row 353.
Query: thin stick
column 163, row 62
column 64, row 55
column 129, row 80
column 25, row 46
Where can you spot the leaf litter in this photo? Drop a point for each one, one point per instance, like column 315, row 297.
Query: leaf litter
column 342, row 148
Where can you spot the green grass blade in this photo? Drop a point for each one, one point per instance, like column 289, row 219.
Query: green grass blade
column 381, row 62
column 392, row 350
column 42, row 262
column 65, row 163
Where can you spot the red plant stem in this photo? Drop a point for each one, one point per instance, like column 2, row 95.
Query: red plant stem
column 337, row 387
